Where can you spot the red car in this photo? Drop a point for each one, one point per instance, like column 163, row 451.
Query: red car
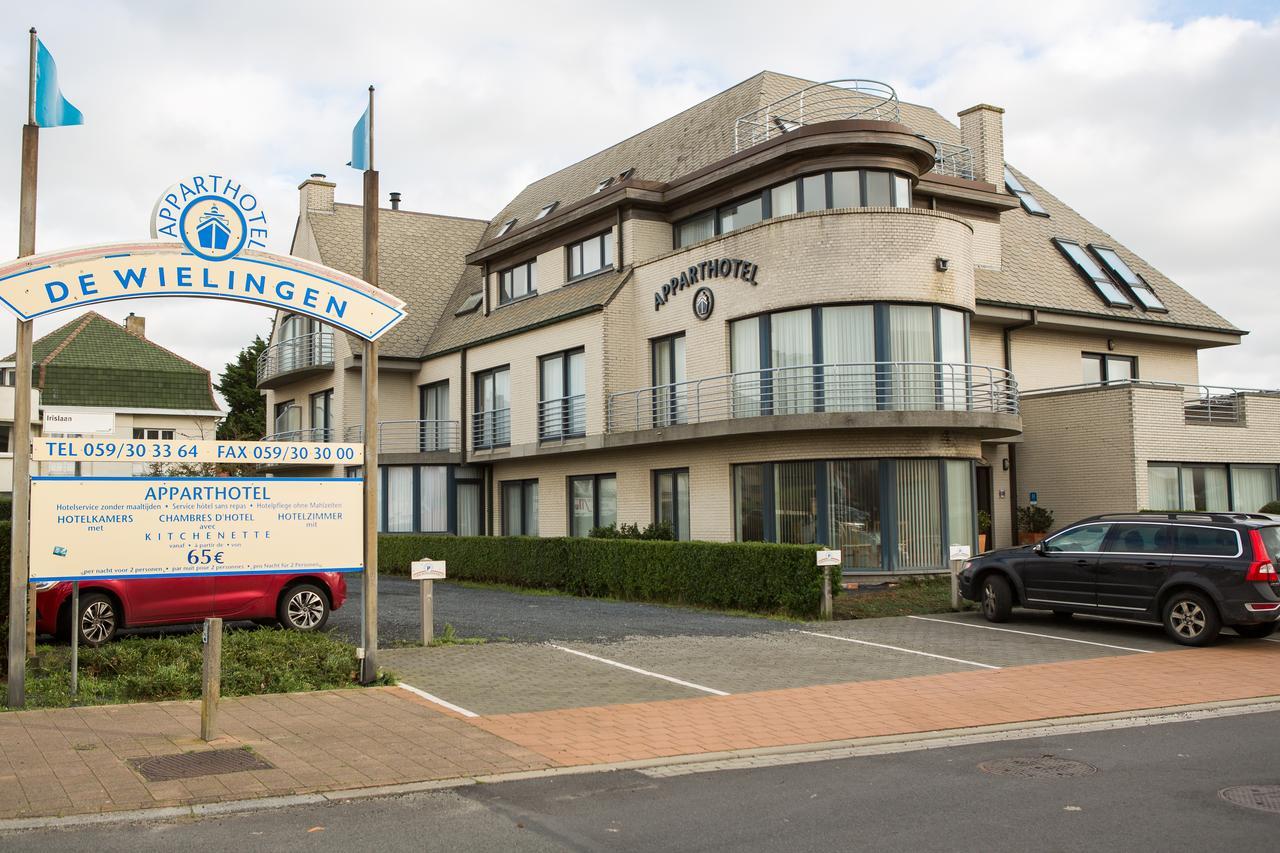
column 298, row 601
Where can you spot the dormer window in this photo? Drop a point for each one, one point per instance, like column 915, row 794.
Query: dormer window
column 546, row 209
column 471, row 303
column 604, row 184
column 1087, row 267
column 517, row 282
column 506, row 226
column 1137, row 284
column 1029, row 203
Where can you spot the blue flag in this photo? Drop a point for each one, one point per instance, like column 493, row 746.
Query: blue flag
column 360, row 143
column 52, row 110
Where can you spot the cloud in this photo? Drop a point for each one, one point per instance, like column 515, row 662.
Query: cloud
column 1160, row 132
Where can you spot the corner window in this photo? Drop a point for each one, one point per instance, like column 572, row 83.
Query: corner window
column 1085, row 266
column 740, row 214
column 562, row 398
column 1137, row 284
column 1029, row 203
column 589, row 256
column 517, row 282
column 1104, row 367
column 520, row 508
column 593, row 502
column 492, row 427
column 671, row 500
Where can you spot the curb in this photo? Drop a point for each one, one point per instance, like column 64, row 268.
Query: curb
column 680, row 765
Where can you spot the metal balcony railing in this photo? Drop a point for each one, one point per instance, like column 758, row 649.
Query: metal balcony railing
column 818, row 388
column 413, row 436
column 951, row 159
column 316, row 434
column 1201, row 404
column 304, row 351
column 562, row 418
column 835, row 100
column 491, row 429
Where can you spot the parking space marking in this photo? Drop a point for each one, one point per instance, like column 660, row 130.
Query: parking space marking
column 1033, row 634
column 899, row 649
column 637, row 669
column 437, row 700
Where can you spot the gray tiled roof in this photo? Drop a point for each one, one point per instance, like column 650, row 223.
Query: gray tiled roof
column 1034, row 273
column 419, row 259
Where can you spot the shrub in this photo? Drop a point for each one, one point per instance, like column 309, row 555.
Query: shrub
column 4, row 595
column 752, row 576
column 661, row 531
column 1271, row 508
column 6, row 507
column 1034, row 519
column 984, row 522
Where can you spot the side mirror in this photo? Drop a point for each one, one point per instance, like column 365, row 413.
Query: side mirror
column 1039, row 548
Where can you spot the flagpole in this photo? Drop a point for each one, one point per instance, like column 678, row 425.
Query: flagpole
column 369, row 588
column 19, row 552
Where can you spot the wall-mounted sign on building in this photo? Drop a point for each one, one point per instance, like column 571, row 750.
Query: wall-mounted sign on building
column 705, row 271
column 704, row 302
column 60, row 420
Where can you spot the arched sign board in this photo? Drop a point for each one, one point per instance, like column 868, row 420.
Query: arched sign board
column 77, row 278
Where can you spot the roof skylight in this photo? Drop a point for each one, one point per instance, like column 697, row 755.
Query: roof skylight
column 1087, row 267
column 1029, row 203
column 506, row 226
column 1137, row 284
column 546, row 209
column 471, row 303
column 604, row 183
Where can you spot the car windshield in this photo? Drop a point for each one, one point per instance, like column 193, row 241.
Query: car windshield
column 1271, row 541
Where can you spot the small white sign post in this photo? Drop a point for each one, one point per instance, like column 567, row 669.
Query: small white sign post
column 428, row 571
column 959, row 553
column 827, row 559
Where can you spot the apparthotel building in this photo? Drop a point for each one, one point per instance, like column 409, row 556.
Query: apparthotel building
column 794, row 312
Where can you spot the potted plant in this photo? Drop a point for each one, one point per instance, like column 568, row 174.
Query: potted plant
column 984, row 530
column 1033, row 523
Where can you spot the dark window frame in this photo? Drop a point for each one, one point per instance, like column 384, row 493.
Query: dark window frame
column 1096, row 283
column 478, row 378
column 327, row 396
column 675, row 497
column 566, row 411
column 1135, row 291
column 606, row 250
column 508, row 275
column 525, row 486
column 432, row 437
column 595, row 498
column 1029, row 202
column 161, row 433
column 1105, row 358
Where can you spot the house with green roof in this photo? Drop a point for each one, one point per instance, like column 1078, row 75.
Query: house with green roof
column 95, row 364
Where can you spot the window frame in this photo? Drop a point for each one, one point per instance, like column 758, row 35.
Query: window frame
column 1136, row 289
column 326, row 397
column 160, row 432
column 478, row 377
column 1028, row 201
column 430, row 435
column 526, row 486
column 547, row 209
column 566, row 412
column 1099, row 285
column 676, row 526
column 508, row 275
column 606, row 255
column 506, row 227
column 595, row 499
column 1105, row 358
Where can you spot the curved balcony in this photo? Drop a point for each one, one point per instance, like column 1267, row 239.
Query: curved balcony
column 823, row 396
column 295, row 358
column 835, row 100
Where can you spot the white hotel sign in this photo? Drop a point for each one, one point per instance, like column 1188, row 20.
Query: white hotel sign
column 45, row 449
column 134, row 527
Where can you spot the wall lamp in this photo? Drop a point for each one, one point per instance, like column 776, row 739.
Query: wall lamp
column 941, row 264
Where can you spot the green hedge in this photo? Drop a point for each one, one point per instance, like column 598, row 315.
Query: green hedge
column 6, row 507
column 757, row 577
column 4, row 595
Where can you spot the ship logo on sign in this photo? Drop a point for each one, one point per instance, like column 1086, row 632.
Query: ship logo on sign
column 213, row 216
column 704, row 302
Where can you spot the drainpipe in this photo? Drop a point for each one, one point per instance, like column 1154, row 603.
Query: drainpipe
column 1013, row 448
column 462, row 412
column 617, row 254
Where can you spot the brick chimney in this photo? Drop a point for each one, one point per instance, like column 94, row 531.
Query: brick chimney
column 136, row 326
column 982, row 129
column 316, row 194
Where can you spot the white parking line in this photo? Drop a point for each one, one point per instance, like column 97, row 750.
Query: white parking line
column 1032, row 634
column 636, row 669
column 437, row 700
column 898, row 649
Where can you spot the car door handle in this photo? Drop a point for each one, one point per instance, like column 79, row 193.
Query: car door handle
column 1153, row 565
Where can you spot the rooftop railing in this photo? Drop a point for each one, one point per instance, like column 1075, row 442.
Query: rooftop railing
column 951, row 159
column 300, row 353
column 818, row 388
column 835, row 100
column 1201, row 404
column 413, row 436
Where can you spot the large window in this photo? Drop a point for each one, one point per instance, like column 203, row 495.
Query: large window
column 517, row 282
column 896, row 514
column 492, row 426
column 593, row 502
column 562, row 401
column 669, row 393
column 850, row 358
column 1122, row 272
column 322, row 416
column 591, row 255
column 1103, row 367
column 1087, row 267
column 822, row 191
column 1211, row 488
column 520, row 508
column 671, row 500
column 413, row 498
column 433, row 410
column 287, row 420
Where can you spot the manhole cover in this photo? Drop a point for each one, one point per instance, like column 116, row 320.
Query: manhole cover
column 1040, row 767
column 1264, row 798
column 188, row 765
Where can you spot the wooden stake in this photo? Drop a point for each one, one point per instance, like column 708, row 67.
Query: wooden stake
column 211, row 679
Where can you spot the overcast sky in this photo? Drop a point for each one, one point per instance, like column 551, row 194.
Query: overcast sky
column 1156, row 120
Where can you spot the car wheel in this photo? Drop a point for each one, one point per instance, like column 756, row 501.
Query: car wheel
column 1191, row 619
column 99, row 619
column 997, row 598
column 304, row 607
column 1062, row 615
column 1255, row 632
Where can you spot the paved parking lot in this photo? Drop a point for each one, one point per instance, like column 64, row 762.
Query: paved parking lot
column 501, row 678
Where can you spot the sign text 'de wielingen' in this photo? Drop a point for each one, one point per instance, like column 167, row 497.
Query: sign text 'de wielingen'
column 134, row 527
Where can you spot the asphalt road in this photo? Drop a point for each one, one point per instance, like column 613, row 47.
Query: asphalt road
column 497, row 615
column 1155, row 788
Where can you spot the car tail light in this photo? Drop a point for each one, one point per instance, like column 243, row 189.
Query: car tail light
column 1263, row 607
column 1261, row 569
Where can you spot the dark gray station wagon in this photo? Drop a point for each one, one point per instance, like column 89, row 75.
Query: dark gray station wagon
column 1194, row 572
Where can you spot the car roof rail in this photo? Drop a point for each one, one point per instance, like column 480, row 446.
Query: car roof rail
column 1220, row 517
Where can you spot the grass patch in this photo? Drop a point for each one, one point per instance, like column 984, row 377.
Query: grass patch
column 449, row 637
column 906, row 597
column 153, row 669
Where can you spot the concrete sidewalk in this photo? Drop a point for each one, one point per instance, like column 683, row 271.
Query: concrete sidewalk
column 74, row 761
